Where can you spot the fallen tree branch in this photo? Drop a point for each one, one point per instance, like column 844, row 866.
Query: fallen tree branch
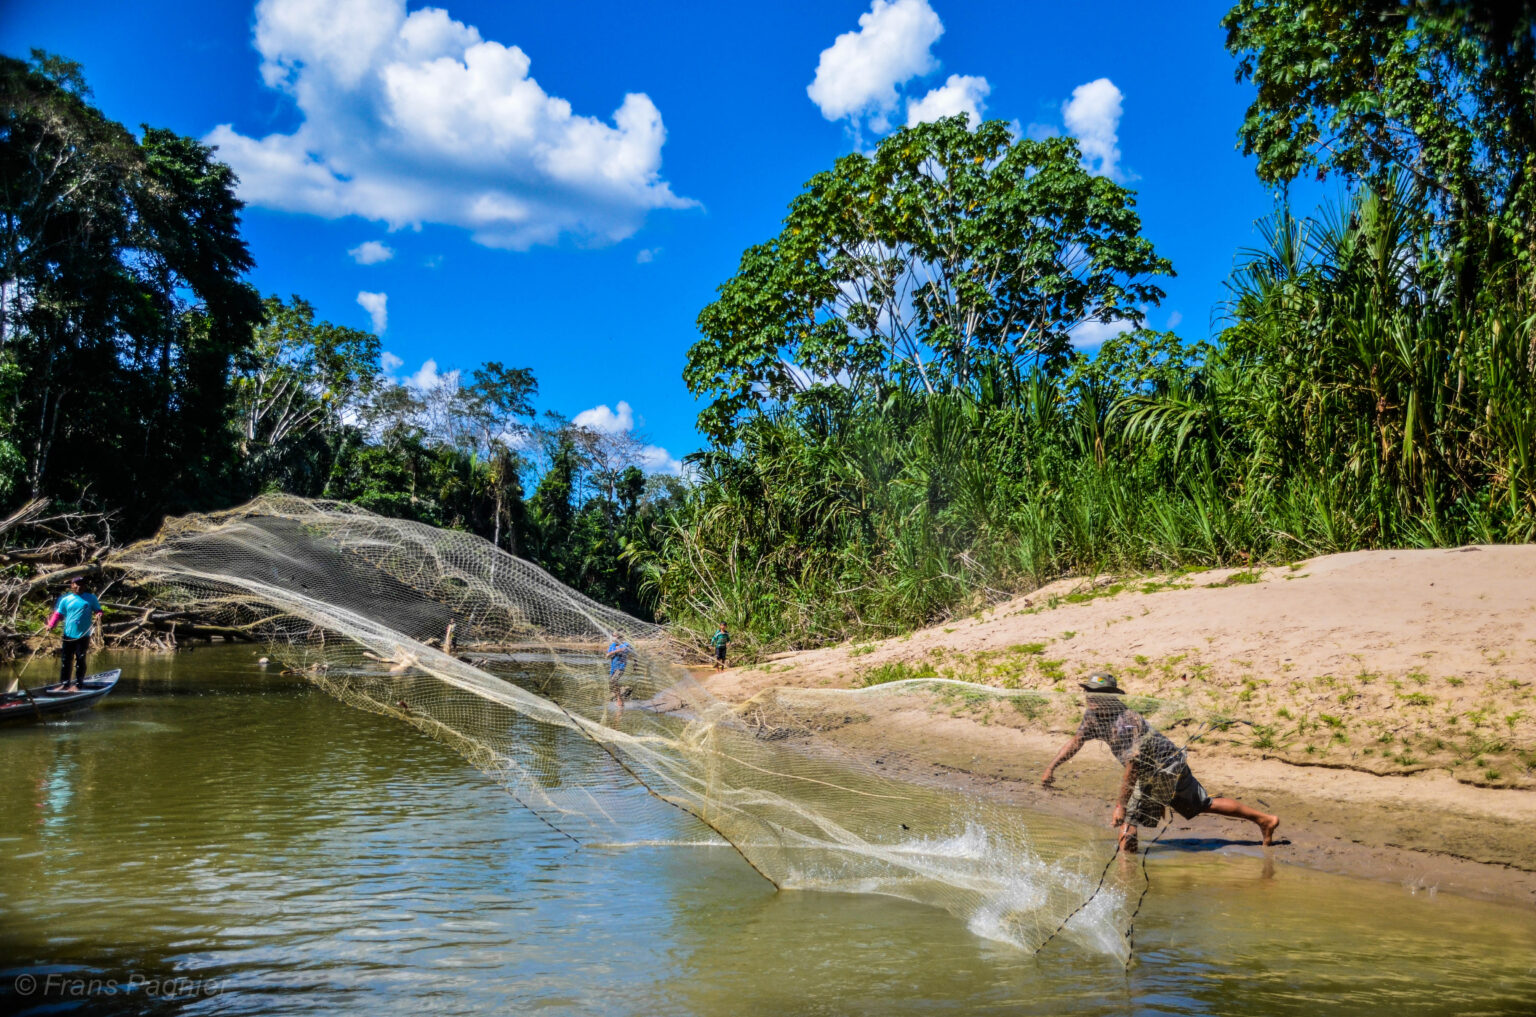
column 23, row 515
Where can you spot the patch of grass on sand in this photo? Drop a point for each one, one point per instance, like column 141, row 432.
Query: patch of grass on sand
column 1030, row 705
column 1238, row 579
column 1085, row 596
column 898, row 671
column 956, row 696
column 1156, row 586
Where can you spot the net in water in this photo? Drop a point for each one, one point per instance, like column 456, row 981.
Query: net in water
column 511, row 668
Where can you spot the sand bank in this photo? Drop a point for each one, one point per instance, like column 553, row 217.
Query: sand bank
column 1383, row 705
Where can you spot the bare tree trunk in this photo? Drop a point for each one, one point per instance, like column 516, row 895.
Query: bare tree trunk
column 496, row 529
column 47, row 426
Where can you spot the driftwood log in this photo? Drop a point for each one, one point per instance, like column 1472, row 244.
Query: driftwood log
column 189, row 624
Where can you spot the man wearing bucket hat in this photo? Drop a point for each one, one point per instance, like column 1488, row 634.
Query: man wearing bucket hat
column 1156, row 773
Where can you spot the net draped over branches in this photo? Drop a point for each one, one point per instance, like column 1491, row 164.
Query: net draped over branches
column 505, row 664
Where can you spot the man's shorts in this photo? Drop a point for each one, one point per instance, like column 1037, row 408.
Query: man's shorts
column 1189, row 796
column 1155, row 790
column 720, row 653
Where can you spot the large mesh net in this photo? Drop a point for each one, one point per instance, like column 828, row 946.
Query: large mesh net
column 526, row 678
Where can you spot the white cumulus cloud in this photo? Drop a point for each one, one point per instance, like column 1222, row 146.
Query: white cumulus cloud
column 601, row 418
column 1094, row 333
column 621, row 420
column 390, row 363
column 857, row 75
column 377, row 306
column 427, row 377
column 371, row 252
column 962, row 93
column 1093, row 116
column 412, row 118
column 659, row 460
column 646, row 255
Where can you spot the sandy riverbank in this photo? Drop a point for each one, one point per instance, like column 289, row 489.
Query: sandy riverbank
column 1385, row 705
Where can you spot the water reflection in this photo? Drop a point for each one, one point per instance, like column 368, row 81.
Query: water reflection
column 211, row 822
column 57, row 788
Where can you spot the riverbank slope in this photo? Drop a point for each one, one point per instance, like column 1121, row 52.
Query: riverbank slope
column 1381, row 702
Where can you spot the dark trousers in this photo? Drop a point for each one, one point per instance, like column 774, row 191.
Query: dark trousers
column 73, row 655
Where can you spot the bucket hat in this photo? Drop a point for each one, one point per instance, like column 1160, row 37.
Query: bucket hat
column 1102, row 681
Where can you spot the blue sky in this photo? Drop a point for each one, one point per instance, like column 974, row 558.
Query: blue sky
column 563, row 186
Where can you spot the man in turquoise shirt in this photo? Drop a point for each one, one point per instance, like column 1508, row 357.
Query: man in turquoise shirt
column 77, row 610
column 720, row 640
column 618, row 659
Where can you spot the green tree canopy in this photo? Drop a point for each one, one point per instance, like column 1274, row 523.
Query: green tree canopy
column 1442, row 91
column 946, row 250
column 300, row 375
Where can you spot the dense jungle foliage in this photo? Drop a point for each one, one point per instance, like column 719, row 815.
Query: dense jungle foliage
column 899, row 426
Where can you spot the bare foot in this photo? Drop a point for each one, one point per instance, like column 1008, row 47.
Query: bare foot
column 1267, row 826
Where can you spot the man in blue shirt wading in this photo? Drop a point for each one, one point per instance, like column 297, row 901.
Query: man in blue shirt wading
column 618, row 659
column 78, row 610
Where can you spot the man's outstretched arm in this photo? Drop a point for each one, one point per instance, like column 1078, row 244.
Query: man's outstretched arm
column 1067, row 752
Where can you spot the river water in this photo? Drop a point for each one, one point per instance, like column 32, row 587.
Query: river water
column 218, row 839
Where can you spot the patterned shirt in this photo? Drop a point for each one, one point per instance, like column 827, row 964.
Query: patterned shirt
column 1129, row 736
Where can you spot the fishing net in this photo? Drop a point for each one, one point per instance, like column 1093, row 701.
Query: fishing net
column 512, row 669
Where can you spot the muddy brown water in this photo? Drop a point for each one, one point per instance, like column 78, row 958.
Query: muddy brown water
column 218, row 839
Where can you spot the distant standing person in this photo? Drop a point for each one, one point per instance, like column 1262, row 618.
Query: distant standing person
column 1155, row 769
column 78, row 611
column 720, row 640
column 618, row 660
